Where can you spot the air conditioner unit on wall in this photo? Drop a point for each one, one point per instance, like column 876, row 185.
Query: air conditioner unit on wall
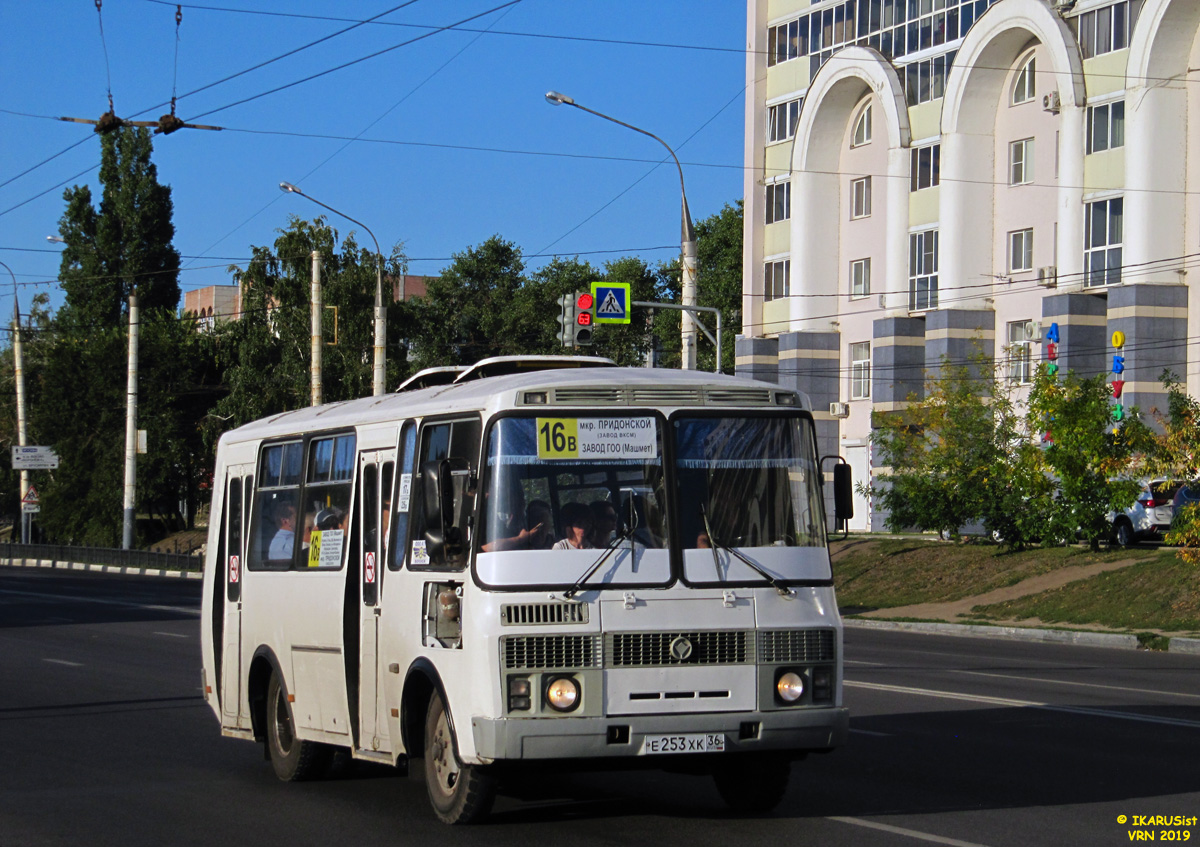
column 1051, row 102
column 839, row 410
column 1048, row 276
column 1033, row 331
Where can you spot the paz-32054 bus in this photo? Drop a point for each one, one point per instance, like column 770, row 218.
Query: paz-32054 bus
column 528, row 562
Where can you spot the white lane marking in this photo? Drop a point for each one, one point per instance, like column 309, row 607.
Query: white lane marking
column 864, row 664
column 64, row 662
column 870, row 732
column 1024, row 704
column 61, row 598
column 911, row 833
column 173, row 634
column 1082, row 684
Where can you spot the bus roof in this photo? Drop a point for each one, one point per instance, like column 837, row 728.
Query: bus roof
column 592, row 386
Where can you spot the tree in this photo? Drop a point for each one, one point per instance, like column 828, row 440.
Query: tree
column 78, row 396
column 1177, row 456
column 1086, row 452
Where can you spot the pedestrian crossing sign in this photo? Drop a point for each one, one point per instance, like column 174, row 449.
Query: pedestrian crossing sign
column 612, row 302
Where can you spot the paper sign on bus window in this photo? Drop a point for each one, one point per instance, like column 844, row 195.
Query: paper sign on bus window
column 578, row 439
column 420, row 553
column 405, row 492
column 325, row 548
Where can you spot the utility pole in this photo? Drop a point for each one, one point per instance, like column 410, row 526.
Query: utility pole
column 317, row 307
column 131, row 432
column 19, row 368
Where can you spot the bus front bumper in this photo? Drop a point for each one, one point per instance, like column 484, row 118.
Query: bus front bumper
column 786, row 731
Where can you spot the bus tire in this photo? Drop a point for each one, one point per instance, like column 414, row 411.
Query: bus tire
column 459, row 794
column 752, row 784
column 293, row 760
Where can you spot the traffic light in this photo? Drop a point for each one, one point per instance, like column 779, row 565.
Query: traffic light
column 566, row 320
column 585, row 319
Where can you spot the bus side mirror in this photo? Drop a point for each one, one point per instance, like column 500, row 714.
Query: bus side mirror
column 443, row 500
column 843, row 493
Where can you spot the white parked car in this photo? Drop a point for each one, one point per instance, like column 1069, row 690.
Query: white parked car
column 1150, row 515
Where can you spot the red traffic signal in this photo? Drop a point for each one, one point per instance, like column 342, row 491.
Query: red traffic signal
column 585, row 301
column 584, row 318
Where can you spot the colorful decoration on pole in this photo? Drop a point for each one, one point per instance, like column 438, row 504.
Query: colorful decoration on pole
column 1118, row 383
column 1052, row 342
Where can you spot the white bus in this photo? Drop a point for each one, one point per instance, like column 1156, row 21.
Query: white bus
column 530, row 562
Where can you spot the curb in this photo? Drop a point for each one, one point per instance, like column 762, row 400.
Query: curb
column 1185, row 645
column 1016, row 633
column 112, row 569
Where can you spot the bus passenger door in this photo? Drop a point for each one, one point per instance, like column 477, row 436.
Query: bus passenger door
column 239, row 486
column 375, row 481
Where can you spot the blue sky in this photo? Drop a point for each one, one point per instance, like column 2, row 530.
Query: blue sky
column 424, row 113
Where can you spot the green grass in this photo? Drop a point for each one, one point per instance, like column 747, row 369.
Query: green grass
column 885, row 572
column 1160, row 593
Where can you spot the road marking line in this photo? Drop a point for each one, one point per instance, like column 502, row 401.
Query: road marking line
column 173, row 634
column 1024, row 704
column 65, row 598
column 871, row 732
column 1082, row 684
column 64, row 662
column 911, row 833
column 865, row 664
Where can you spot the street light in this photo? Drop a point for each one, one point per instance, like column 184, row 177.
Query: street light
column 19, row 368
column 688, row 237
column 380, row 312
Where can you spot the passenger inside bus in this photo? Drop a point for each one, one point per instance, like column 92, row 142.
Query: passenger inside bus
column 576, row 519
column 604, row 523
column 540, row 521
column 284, row 539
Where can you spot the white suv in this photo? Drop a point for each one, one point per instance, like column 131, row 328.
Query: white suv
column 1150, row 515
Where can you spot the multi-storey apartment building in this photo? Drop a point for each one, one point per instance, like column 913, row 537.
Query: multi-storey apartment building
column 930, row 178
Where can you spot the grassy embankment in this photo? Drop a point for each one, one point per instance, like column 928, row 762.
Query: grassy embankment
column 1156, row 592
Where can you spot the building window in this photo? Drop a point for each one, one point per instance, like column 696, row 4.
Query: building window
column 1020, row 367
column 1020, row 250
column 781, row 120
column 1106, row 127
column 925, row 81
column 1102, row 239
column 1108, row 29
column 923, row 270
column 860, row 370
column 779, row 201
column 786, row 41
column 860, row 197
column 776, row 279
column 926, row 166
column 1020, row 162
column 1023, row 90
column 862, row 128
column 860, row 277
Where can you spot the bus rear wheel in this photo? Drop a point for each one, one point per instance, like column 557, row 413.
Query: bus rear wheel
column 293, row 760
column 752, row 784
column 459, row 793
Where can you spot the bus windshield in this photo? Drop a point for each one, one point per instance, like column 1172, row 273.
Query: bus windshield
column 560, row 491
column 750, row 485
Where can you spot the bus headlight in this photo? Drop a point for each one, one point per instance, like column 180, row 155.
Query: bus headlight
column 562, row 693
column 789, row 686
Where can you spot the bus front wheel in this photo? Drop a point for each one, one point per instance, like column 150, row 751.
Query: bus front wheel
column 293, row 760
column 753, row 784
column 459, row 793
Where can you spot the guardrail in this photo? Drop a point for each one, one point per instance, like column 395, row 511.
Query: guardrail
column 69, row 554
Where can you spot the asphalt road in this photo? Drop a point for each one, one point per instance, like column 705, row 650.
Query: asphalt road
column 104, row 741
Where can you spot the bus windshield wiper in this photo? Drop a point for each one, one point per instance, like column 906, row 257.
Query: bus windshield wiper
column 716, row 545
column 604, row 554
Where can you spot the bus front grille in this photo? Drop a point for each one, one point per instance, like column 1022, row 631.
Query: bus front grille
column 795, row 645
column 520, row 614
column 532, row 652
column 650, row 649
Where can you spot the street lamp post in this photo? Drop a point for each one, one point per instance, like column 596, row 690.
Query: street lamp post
column 688, row 236
column 380, row 312
column 19, row 368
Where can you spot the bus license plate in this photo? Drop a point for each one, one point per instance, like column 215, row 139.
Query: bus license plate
column 697, row 742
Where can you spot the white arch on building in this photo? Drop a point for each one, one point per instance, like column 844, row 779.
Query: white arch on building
column 974, row 89
column 839, row 86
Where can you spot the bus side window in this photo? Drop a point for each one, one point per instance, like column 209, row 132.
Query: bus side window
column 233, row 546
column 402, row 501
column 443, row 495
column 368, row 499
column 276, row 504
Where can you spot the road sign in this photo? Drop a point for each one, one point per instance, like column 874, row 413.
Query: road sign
column 612, row 302
column 30, row 508
column 34, row 458
column 31, row 496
